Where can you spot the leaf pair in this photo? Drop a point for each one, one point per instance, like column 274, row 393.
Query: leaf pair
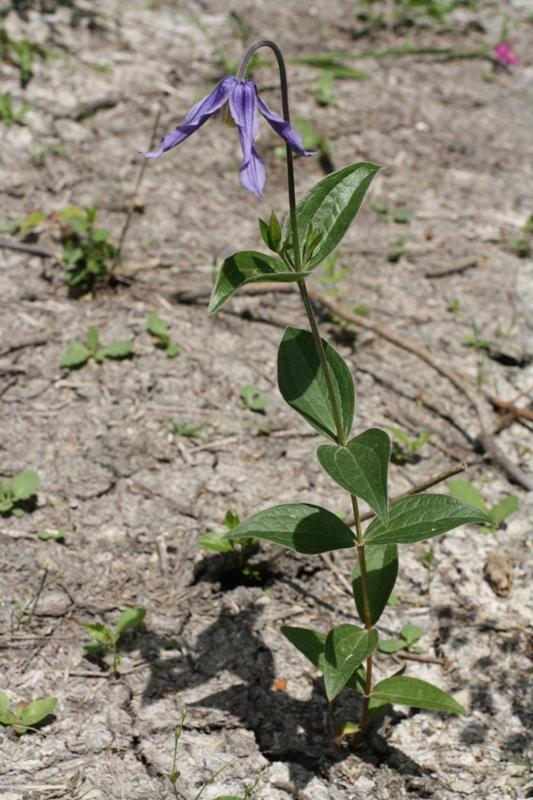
column 105, row 639
column 78, row 354
column 323, row 216
column 158, row 329
column 24, row 716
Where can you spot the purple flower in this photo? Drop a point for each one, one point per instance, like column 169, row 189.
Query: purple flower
column 504, row 55
column 243, row 101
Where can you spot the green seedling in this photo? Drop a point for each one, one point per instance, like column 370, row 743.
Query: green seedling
column 522, row 245
column 21, row 617
column 106, row 639
column 464, row 490
column 394, row 255
column 8, row 115
column 453, row 306
column 57, row 536
column 404, row 449
column 427, row 560
column 175, row 774
column 332, row 275
column 363, row 309
column 21, row 53
column 16, row 491
column 24, row 716
column 158, row 329
column 218, row 543
column 18, row 226
column 409, row 634
column 193, row 432
column 251, row 399
column 78, row 354
column 86, row 251
column 400, row 215
column 479, row 346
column 323, row 93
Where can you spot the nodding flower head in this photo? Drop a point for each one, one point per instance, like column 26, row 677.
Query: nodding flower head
column 239, row 102
column 504, row 55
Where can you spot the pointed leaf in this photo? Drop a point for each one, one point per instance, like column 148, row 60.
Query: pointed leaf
column 504, row 509
column 130, row 619
column 247, row 267
column 98, row 631
column 303, row 386
column 310, row 643
column 347, row 646
column 23, row 485
column 381, row 572
column 216, row 542
column 464, row 490
column 391, row 646
column 423, row 516
column 361, row 468
column 329, row 208
column 275, row 231
column 36, row 711
column 416, row 693
column 173, row 349
column 411, row 633
column 302, row 527
column 5, row 702
column 266, row 235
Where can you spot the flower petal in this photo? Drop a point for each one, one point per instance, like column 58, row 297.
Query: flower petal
column 283, row 129
column 243, row 107
column 196, row 117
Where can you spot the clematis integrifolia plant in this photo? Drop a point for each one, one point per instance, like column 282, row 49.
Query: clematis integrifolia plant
column 317, row 383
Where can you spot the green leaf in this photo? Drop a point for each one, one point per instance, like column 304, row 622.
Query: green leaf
column 216, row 542
column 93, row 339
column 247, row 267
column 23, row 485
column 17, row 512
column 44, row 535
column 310, row 643
column 464, row 490
column 115, row 350
column 504, row 509
column 416, row 693
column 411, row 633
column 382, row 571
column 173, row 349
column 361, row 468
column 231, row 520
column 347, row 646
column 98, row 631
column 302, row 527
column 329, row 208
column 423, row 516
column 275, row 232
column 36, row 711
column 5, row 702
column 328, row 63
column 402, row 436
column 100, row 235
column 266, row 235
column 303, row 386
column 391, row 646
column 156, row 325
column 130, row 619
column 375, row 707
column 34, row 219
column 93, row 648
column 76, row 355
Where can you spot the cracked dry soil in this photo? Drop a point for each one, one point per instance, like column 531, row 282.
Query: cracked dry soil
column 133, row 500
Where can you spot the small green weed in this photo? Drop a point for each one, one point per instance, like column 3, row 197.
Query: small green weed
column 106, row 639
column 464, row 490
column 251, row 399
column 25, row 716
column 479, row 346
column 86, row 250
column 400, row 215
column 454, row 305
column 14, row 492
column 398, row 249
column 522, row 245
column 21, row 617
column 332, row 275
column 45, row 534
column 19, row 226
column 409, row 634
column 193, row 432
column 175, row 774
column 404, row 450
column 78, row 354
column 215, row 541
column 8, row 115
column 427, row 560
column 158, row 329
column 21, row 53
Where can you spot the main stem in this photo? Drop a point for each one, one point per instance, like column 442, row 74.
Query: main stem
column 341, row 439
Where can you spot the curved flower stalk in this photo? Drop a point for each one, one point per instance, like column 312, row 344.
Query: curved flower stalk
column 243, row 101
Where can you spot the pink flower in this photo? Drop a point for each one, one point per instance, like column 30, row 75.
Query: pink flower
column 504, row 55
